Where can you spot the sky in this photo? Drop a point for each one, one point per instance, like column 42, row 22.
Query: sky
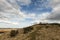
column 24, row 13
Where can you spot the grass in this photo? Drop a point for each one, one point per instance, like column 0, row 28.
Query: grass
column 39, row 32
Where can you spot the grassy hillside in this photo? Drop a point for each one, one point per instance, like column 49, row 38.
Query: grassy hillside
column 34, row 32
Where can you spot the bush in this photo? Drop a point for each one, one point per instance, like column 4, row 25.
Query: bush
column 28, row 29
column 13, row 33
column 47, row 27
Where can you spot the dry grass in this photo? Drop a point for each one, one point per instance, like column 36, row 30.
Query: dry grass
column 39, row 32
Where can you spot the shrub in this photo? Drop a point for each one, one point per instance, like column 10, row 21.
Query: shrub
column 13, row 33
column 28, row 29
column 47, row 27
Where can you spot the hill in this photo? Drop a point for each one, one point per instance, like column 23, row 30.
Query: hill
column 34, row 32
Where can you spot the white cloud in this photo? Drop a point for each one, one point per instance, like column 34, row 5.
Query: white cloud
column 9, row 11
column 9, row 22
column 41, row 18
column 11, row 14
column 54, row 3
column 55, row 14
column 31, row 15
column 25, row 2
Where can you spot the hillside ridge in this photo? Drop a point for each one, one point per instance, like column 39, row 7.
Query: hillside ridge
column 35, row 32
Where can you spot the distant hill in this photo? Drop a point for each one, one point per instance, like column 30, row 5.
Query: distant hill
column 41, row 31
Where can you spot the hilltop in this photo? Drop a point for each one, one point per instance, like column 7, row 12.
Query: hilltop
column 42, row 31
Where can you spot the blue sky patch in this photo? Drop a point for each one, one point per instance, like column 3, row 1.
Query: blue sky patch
column 36, row 6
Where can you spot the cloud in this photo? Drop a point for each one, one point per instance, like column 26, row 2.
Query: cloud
column 10, row 10
column 10, row 13
column 9, row 22
column 55, row 14
column 41, row 18
column 24, row 2
column 54, row 3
